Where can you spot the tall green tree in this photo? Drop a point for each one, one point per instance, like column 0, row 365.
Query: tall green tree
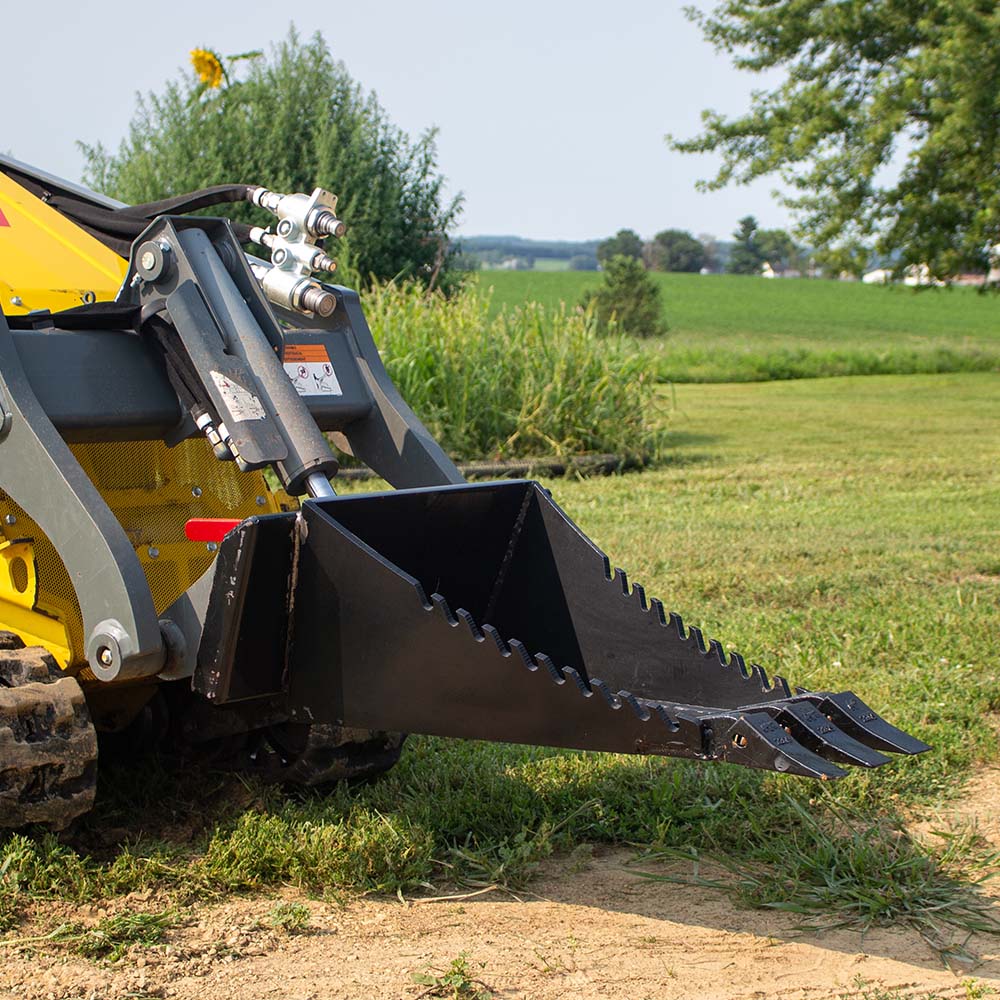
column 746, row 255
column 625, row 243
column 887, row 124
column 290, row 121
column 628, row 298
column 676, row 250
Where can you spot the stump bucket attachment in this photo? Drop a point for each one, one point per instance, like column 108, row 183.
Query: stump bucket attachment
column 481, row 611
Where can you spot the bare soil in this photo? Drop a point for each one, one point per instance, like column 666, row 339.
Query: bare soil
column 590, row 927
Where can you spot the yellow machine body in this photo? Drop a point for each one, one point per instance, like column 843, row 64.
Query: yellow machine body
column 46, row 262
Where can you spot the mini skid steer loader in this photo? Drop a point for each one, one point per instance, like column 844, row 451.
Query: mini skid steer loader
column 152, row 575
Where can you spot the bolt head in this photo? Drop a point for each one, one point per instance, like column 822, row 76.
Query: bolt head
column 106, row 657
column 148, row 260
column 212, row 546
column 261, row 501
column 153, row 552
column 196, row 492
column 284, row 227
column 9, row 519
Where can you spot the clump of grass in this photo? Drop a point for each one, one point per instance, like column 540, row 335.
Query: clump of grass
column 527, row 382
column 109, row 940
column 838, row 869
column 292, row 918
column 9, row 914
column 114, row 936
column 455, row 982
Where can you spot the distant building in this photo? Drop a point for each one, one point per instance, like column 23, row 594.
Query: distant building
column 880, row 276
column 767, row 271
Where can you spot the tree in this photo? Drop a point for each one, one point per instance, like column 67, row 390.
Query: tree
column 625, row 243
column 628, row 298
column 779, row 249
column 677, row 250
column 295, row 121
column 867, row 82
column 746, row 256
column 582, row 262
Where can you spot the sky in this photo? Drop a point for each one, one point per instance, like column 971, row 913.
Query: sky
column 551, row 114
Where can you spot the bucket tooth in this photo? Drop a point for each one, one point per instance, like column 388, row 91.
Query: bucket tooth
column 849, row 712
column 815, row 731
column 756, row 740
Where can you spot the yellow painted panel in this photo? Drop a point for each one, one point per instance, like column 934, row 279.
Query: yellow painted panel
column 47, row 262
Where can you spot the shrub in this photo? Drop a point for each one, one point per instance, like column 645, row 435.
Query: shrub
column 628, row 300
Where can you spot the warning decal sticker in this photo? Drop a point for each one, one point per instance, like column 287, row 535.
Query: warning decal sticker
column 3, row 219
column 310, row 369
column 242, row 403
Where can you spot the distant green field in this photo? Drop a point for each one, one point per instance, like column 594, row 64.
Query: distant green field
column 726, row 328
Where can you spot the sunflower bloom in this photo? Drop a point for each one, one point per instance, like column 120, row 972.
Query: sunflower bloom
column 208, row 66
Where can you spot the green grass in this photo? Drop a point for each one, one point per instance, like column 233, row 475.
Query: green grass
column 726, row 328
column 844, row 533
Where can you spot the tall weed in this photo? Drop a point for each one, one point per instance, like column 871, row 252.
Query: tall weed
column 528, row 382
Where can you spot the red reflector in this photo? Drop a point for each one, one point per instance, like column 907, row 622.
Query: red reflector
column 209, row 529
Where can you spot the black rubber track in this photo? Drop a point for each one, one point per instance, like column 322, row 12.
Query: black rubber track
column 48, row 746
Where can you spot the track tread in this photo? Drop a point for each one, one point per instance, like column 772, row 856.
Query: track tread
column 48, row 745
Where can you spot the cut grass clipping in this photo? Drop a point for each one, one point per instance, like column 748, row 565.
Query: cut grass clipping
column 527, row 382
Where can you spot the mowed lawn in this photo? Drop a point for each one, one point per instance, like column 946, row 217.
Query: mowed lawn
column 843, row 532
column 727, row 328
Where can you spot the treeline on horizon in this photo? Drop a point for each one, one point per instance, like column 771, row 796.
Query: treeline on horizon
column 521, row 253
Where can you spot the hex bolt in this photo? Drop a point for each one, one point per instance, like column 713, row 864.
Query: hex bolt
column 261, row 501
column 106, row 657
column 10, row 519
column 153, row 552
column 279, row 256
column 284, row 227
column 212, row 546
column 196, row 492
column 17, row 301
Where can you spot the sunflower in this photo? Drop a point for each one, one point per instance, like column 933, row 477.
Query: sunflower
column 208, row 66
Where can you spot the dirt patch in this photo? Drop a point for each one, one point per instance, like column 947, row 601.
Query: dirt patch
column 590, row 930
column 597, row 932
